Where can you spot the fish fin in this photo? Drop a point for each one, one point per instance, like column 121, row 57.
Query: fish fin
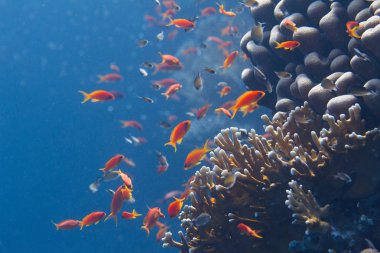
column 86, row 96
column 146, row 229
column 180, row 141
column 95, row 100
column 174, row 145
column 96, row 223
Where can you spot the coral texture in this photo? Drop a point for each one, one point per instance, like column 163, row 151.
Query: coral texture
column 311, row 182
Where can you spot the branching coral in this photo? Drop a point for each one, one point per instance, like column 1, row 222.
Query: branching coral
column 251, row 175
column 306, row 209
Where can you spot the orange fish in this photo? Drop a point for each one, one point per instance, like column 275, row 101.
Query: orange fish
column 172, row 35
column 171, row 90
column 248, row 231
column 182, row 23
column 208, row 11
column 131, row 123
column 226, row 13
column 228, row 105
column 116, row 204
column 169, row 59
column 166, row 82
column 129, row 162
column 161, row 231
column 215, row 39
column 112, row 77
column 151, row 218
column 190, row 50
column 178, row 133
column 166, row 67
column 201, row 112
column 225, row 91
column 288, row 45
column 168, row 14
column 247, row 98
column 352, row 27
column 97, row 96
column 175, row 207
column 290, row 25
column 67, row 224
column 223, row 110
column 112, row 163
column 230, row 59
column 126, row 179
column 92, row 218
column 196, row 156
column 225, row 44
column 130, row 216
column 114, row 67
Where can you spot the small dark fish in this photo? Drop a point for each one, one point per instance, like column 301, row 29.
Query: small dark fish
column 147, row 65
column 156, row 86
column 239, row 9
column 202, row 220
column 257, row 33
column 260, row 74
column 249, row 3
column 358, row 91
column 203, row 45
column 362, row 55
column 177, row 7
column 210, row 70
column 198, row 82
column 160, row 36
column 142, row 43
column 165, row 125
column 283, row 74
column 344, row 177
column 146, row 99
column 328, row 84
column 143, row 72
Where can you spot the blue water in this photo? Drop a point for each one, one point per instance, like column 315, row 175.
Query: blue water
column 52, row 146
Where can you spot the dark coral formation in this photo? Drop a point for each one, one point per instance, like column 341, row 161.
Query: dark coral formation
column 311, row 183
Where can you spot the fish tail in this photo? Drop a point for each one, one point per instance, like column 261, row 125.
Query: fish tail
column 278, row 45
column 156, row 69
column 174, row 145
column 136, row 214
column 86, row 96
column 171, row 21
column 113, row 216
column 55, row 224
column 104, row 170
column 166, row 95
column 205, row 147
column 146, row 230
column 81, row 225
column 101, row 78
column 255, row 233
column 234, row 112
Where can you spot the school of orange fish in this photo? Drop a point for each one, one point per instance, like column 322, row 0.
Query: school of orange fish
column 247, row 102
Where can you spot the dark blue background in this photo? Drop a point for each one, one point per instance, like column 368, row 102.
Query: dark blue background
column 51, row 146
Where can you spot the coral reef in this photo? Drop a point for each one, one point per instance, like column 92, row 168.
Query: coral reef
column 254, row 176
column 311, row 182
